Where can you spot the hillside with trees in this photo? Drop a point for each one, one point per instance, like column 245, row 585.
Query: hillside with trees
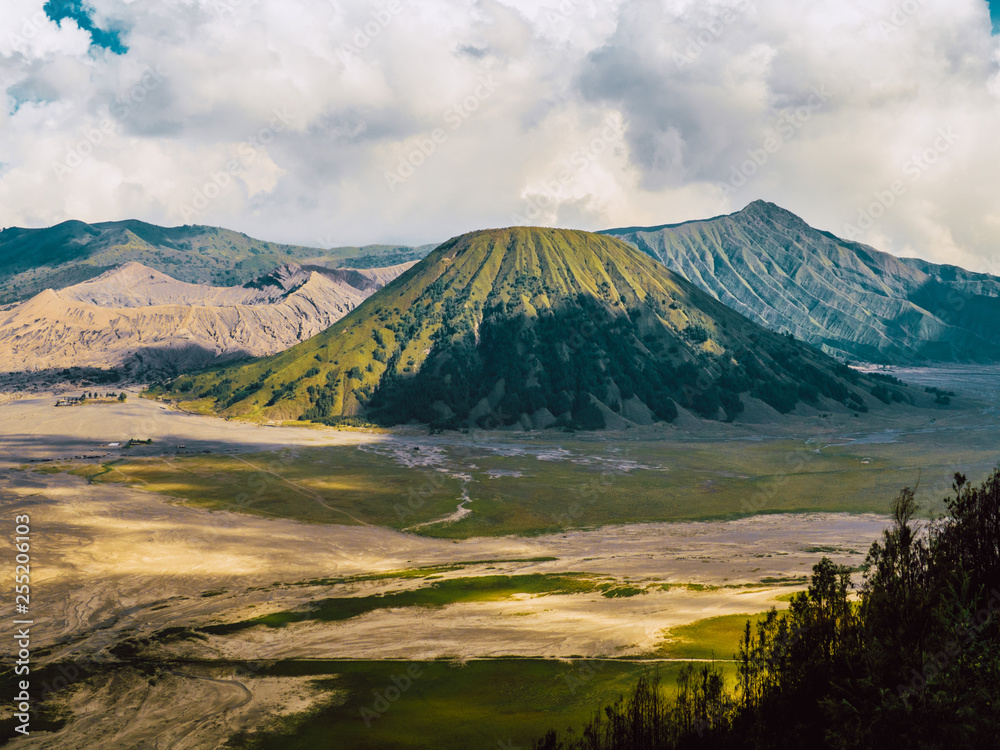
column 537, row 328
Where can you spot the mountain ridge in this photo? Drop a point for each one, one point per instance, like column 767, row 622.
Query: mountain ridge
column 148, row 324
column 72, row 252
column 535, row 327
column 845, row 297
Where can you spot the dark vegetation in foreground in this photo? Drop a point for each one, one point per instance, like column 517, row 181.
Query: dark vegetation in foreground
column 914, row 662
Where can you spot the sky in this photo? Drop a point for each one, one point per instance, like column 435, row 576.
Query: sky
column 328, row 122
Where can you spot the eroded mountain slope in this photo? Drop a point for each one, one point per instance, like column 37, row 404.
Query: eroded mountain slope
column 153, row 325
column 845, row 297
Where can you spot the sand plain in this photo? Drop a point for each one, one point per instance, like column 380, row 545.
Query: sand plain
column 114, row 564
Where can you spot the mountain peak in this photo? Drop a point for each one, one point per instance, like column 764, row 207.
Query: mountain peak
column 755, row 209
column 760, row 205
column 769, row 211
column 535, row 327
column 850, row 299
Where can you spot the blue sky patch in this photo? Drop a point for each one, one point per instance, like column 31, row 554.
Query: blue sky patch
column 995, row 15
column 109, row 39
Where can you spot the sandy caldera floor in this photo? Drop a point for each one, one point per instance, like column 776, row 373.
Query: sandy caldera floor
column 112, row 564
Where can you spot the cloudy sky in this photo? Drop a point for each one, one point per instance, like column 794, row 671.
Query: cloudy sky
column 345, row 121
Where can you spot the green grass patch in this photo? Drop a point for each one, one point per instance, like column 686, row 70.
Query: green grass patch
column 404, row 574
column 523, row 494
column 88, row 471
column 614, row 591
column 828, row 550
column 712, row 638
column 106, row 468
column 341, row 485
column 785, row 580
column 438, row 594
column 786, row 597
column 447, row 706
column 690, row 586
column 427, row 572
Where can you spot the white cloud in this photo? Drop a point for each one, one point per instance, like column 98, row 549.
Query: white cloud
column 699, row 88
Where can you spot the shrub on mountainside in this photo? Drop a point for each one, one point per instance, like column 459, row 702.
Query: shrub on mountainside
column 886, row 378
column 940, row 396
column 568, row 360
column 696, row 334
column 776, row 394
column 559, row 360
column 558, row 357
column 882, row 393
